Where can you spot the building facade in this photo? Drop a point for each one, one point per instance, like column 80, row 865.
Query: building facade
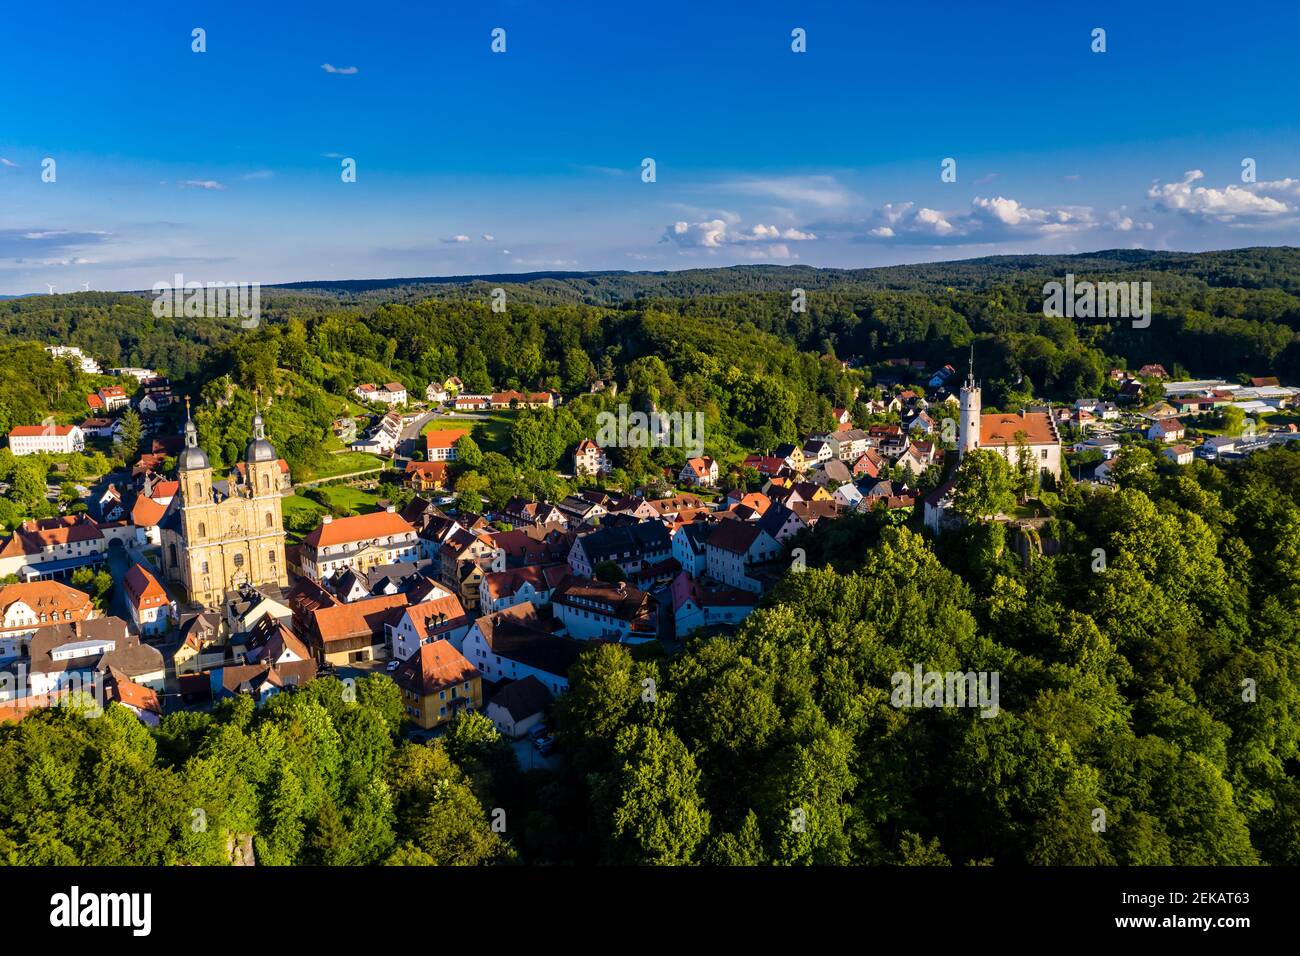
column 215, row 543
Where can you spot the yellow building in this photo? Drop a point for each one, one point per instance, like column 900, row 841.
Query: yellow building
column 214, row 542
column 437, row 683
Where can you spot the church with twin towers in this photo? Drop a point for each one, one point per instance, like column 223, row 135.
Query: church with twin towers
column 1010, row 434
column 218, row 536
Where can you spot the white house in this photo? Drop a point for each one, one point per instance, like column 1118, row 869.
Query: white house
column 695, row 607
column 391, row 393
column 589, row 459
column 84, row 361
column 440, row 619
column 1169, row 430
column 152, row 611
column 699, row 472
column 513, row 644
column 48, row 439
column 734, row 548
column 688, row 546
column 531, row 584
column 360, row 542
column 518, row 707
column 591, row 609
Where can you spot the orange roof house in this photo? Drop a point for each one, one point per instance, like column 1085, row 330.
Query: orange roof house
column 999, row 429
column 143, row 588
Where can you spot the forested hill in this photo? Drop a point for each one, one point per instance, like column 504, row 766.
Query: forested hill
column 1253, row 268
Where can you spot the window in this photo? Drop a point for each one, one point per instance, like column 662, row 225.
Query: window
column 239, row 560
column 269, row 520
column 266, row 482
column 203, row 530
column 272, row 555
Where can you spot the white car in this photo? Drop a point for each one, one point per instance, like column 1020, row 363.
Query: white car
column 392, row 665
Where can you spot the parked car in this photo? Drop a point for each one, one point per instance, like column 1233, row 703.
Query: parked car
column 392, row 665
column 544, row 745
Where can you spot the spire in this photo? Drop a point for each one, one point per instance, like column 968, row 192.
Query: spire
column 191, row 433
column 970, row 375
column 259, row 430
column 193, row 457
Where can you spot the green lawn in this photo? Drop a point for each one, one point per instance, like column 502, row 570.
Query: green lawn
column 492, row 432
column 300, row 511
column 345, row 463
column 345, row 497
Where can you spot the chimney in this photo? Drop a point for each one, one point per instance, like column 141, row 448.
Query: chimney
column 326, row 519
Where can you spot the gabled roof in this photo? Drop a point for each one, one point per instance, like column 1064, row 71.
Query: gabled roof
column 143, row 588
column 378, row 524
column 433, row 617
column 612, row 543
column 542, row 577
column 435, row 666
column 444, row 438
column 518, row 633
column 734, row 536
column 522, row 698
column 363, row 618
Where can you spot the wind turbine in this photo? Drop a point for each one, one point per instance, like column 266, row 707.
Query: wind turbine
column 51, row 288
column 85, row 287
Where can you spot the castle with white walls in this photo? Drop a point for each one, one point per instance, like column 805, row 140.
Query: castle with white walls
column 1010, row 434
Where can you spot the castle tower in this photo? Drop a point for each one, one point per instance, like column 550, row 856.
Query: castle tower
column 968, row 438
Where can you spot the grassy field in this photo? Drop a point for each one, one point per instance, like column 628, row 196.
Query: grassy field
column 491, row 432
column 345, row 463
column 302, row 512
column 345, row 497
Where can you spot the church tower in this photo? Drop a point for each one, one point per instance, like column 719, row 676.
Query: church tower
column 266, row 516
column 222, row 539
column 198, row 506
column 968, row 438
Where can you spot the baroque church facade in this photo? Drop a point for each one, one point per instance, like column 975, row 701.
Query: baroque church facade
column 213, row 541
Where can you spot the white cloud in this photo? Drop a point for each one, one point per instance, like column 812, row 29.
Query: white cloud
column 201, row 184
column 341, row 70
column 487, row 237
column 987, row 219
column 8, row 162
column 716, row 233
column 457, row 238
column 1119, row 220
column 1252, row 201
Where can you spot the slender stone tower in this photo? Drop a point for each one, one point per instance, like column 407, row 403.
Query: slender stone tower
column 968, row 438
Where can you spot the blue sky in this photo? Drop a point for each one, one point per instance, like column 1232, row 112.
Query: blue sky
column 225, row 165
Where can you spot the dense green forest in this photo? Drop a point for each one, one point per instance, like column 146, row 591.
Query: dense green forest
column 1149, row 658
column 1157, row 692
column 723, row 341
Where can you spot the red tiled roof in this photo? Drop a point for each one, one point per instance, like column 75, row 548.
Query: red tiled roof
column 435, row 666
column 442, row 438
column 36, row 431
column 143, row 588
column 998, row 429
column 379, row 524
